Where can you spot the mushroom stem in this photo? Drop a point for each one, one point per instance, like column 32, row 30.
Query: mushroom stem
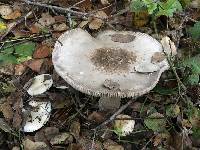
column 109, row 103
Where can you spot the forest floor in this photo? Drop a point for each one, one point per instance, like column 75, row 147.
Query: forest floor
column 168, row 117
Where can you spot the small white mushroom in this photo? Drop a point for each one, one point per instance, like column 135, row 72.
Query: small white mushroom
column 86, row 63
column 124, row 124
column 36, row 116
column 38, row 84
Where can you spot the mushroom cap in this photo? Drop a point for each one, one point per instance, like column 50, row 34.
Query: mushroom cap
column 126, row 126
column 39, row 84
column 39, row 115
column 108, row 64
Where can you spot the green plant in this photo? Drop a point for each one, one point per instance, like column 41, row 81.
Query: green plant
column 156, row 7
column 193, row 66
column 195, row 31
column 16, row 53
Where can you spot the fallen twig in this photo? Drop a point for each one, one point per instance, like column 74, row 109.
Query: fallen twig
column 61, row 9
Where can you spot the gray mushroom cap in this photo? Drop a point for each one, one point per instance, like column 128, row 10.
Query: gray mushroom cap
column 114, row 64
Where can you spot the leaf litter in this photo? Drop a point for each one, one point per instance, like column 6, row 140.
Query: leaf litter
column 165, row 118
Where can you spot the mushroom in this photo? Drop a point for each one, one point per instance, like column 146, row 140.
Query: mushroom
column 37, row 114
column 114, row 64
column 38, row 84
column 122, row 126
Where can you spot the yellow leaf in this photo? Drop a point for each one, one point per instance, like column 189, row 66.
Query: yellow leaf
column 3, row 26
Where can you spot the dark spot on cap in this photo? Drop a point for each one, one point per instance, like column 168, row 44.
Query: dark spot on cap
column 158, row 57
column 47, row 77
column 122, row 38
column 113, row 60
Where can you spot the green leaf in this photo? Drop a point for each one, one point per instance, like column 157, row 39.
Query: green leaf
column 155, row 122
column 165, row 91
column 137, row 6
column 6, row 87
column 195, row 31
column 193, row 64
column 185, row 3
column 192, row 79
column 16, row 53
column 196, row 132
column 25, row 49
column 7, row 59
column 169, row 7
column 151, row 5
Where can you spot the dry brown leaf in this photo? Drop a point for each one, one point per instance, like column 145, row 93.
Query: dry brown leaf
column 96, row 116
column 17, row 120
column 157, row 140
column 35, row 64
column 75, row 129
column 46, row 20
column 60, row 27
column 96, row 23
column 51, row 132
column 20, row 69
column 140, row 19
column 7, row 111
column 30, row 145
column 34, row 29
column 14, row 15
column 111, row 145
column 42, row 51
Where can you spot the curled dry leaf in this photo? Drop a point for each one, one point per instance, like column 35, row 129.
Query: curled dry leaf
column 96, row 23
column 168, row 46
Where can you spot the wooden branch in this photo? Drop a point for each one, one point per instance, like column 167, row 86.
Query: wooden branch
column 61, row 9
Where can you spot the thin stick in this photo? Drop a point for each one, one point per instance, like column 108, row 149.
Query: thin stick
column 61, row 9
column 122, row 108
